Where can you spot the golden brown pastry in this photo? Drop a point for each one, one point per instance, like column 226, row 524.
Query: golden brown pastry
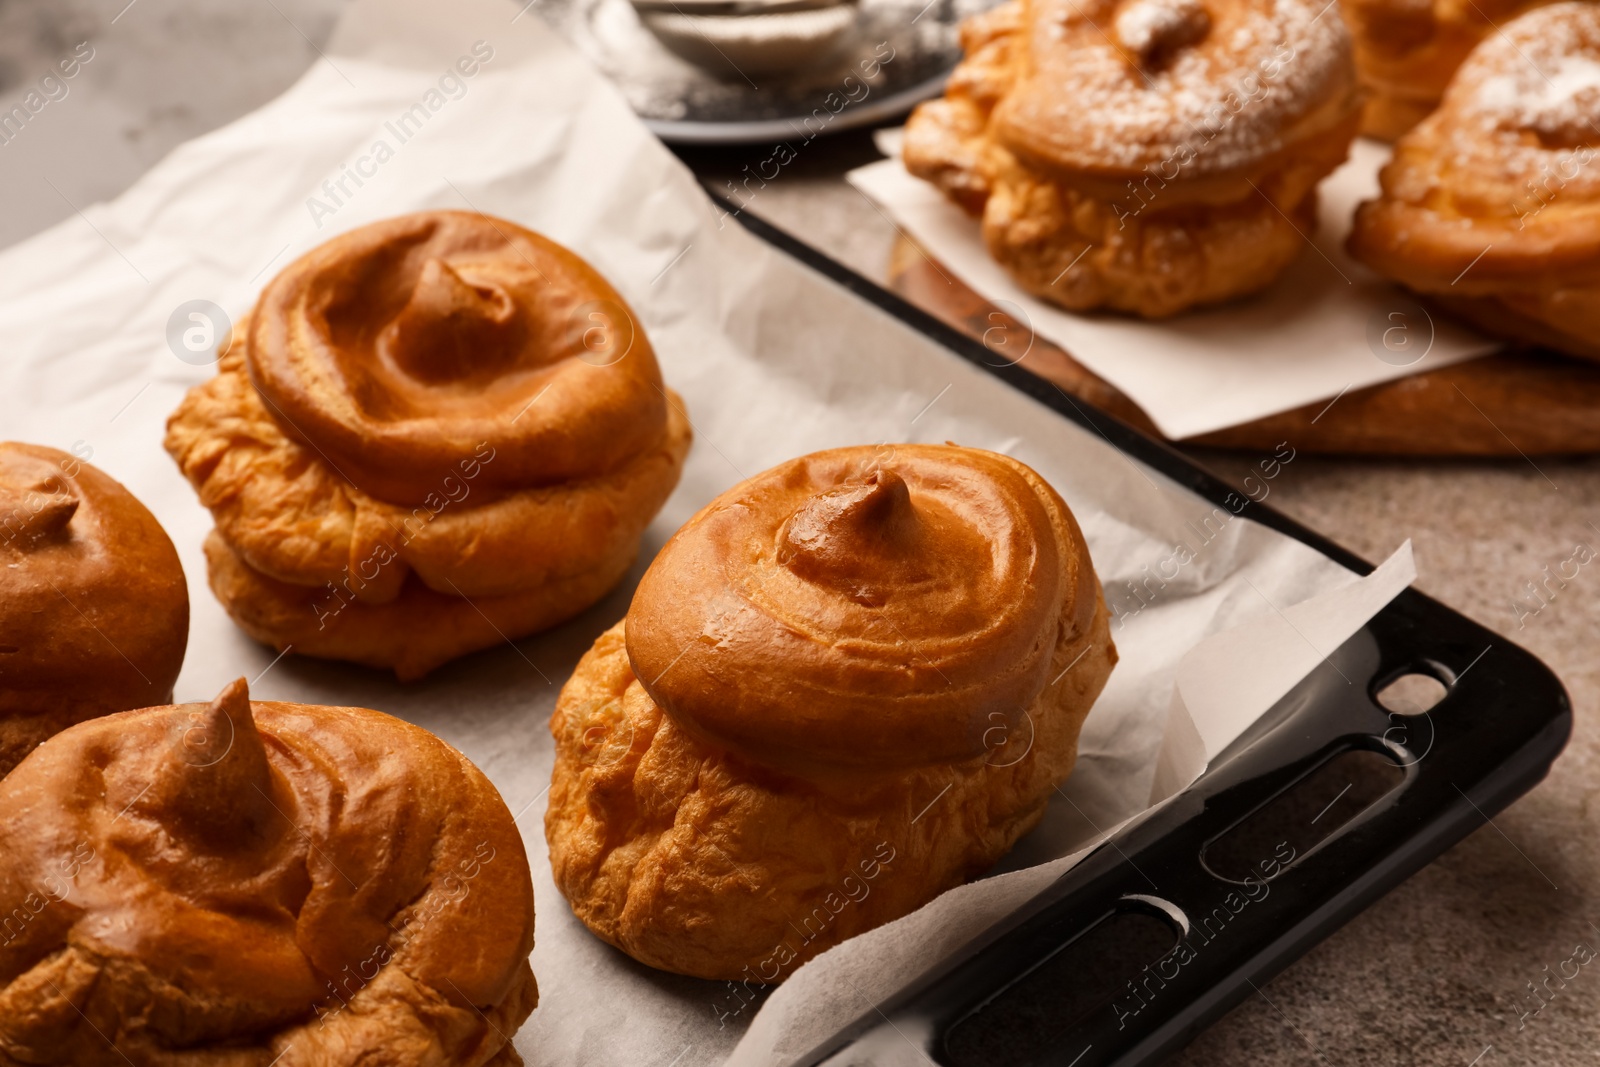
column 1407, row 51
column 845, row 686
column 435, row 433
column 1147, row 156
column 94, row 611
column 1491, row 205
column 259, row 884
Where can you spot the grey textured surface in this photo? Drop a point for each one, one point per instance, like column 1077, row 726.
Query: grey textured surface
column 1438, row 971
column 162, row 72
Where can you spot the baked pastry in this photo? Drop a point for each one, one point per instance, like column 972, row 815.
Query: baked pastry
column 1407, row 51
column 1146, row 156
column 94, row 611
column 251, row 884
column 1491, row 205
column 845, row 686
column 434, row 434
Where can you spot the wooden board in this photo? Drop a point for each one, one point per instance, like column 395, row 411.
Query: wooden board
column 1526, row 403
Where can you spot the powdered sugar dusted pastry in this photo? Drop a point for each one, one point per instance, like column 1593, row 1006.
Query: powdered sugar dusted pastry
column 1143, row 155
column 845, row 686
column 438, row 432
column 1408, row 50
column 1491, row 205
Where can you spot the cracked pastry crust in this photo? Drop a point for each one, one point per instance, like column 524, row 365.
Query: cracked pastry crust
column 1491, row 205
column 94, row 610
column 386, row 635
column 259, row 884
column 431, row 412
column 1144, row 156
column 824, row 708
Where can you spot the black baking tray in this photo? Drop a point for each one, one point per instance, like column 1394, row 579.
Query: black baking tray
column 1157, row 934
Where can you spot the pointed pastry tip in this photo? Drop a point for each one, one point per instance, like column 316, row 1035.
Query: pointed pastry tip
column 223, row 793
column 220, row 792
column 36, row 514
column 234, row 700
column 213, row 732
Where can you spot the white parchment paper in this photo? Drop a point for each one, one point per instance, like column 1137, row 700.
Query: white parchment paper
column 1310, row 336
column 772, row 360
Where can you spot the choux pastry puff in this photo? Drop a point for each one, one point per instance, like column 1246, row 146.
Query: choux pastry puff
column 845, row 686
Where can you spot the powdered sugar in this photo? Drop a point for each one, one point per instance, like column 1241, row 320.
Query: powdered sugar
column 1215, row 103
column 1573, row 84
column 1528, row 79
column 1146, row 27
column 1527, row 96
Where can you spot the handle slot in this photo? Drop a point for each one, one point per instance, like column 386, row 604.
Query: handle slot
column 1028, row 1019
column 1303, row 817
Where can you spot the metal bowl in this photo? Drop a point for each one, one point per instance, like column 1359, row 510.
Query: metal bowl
column 897, row 53
column 755, row 44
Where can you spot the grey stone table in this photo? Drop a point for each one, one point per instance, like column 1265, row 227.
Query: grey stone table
column 1436, row 973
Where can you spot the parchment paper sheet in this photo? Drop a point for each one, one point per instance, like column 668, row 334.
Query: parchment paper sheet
column 772, row 361
column 1308, row 337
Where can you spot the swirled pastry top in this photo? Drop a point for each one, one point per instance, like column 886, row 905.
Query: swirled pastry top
column 398, row 348
column 94, row 611
column 245, row 876
column 1108, row 88
column 862, row 607
column 1508, row 168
